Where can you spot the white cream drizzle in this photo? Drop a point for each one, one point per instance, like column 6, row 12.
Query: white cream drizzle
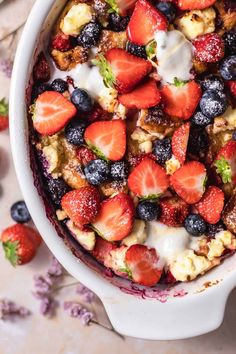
column 174, row 54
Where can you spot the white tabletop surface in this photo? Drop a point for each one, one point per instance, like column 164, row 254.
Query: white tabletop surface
column 64, row 335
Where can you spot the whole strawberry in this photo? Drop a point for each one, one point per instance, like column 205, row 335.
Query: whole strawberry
column 20, row 243
column 3, row 114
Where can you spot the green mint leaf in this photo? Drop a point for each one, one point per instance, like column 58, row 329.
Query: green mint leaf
column 151, row 49
column 224, row 170
column 179, row 83
column 113, row 6
column 10, row 250
column 105, row 70
column 4, row 107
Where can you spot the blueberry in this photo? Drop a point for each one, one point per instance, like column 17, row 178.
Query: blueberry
column 39, row 88
column 59, row 85
column 230, row 42
column 89, row 35
column 168, row 9
column 74, row 132
column 162, row 150
column 195, row 225
column 117, row 23
column 20, row 213
column 97, row 172
column 57, row 188
column 228, row 68
column 137, row 50
column 213, row 103
column 212, row 82
column 119, row 170
column 147, row 210
column 213, row 229
column 198, row 141
column 200, row 120
column 82, row 100
column 234, row 135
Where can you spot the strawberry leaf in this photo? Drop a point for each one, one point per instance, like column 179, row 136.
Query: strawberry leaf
column 179, row 83
column 10, row 250
column 105, row 70
column 126, row 271
column 3, row 107
column 97, row 151
column 224, row 170
column 113, row 6
column 151, row 49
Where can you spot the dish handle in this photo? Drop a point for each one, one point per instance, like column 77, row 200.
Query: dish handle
column 177, row 318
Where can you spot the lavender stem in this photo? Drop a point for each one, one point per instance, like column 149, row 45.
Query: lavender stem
column 111, row 329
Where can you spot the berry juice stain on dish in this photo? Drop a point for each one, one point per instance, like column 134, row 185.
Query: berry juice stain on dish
column 136, row 129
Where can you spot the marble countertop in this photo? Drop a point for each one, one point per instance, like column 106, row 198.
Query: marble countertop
column 62, row 334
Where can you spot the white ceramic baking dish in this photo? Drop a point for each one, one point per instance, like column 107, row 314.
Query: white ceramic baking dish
column 184, row 311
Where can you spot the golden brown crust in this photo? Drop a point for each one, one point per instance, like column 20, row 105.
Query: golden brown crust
column 229, row 214
column 227, row 17
column 109, row 188
column 199, row 66
column 68, row 60
column 165, row 127
column 110, row 39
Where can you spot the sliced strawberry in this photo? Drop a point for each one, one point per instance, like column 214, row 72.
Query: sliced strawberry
column 180, row 142
column 148, row 179
column 211, row 205
column 180, row 100
column 107, row 138
column 123, row 6
column 102, row 249
column 81, row 205
column 142, row 264
column 4, row 120
column 51, row 112
column 174, row 211
column 144, row 22
column 209, row 48
column 195, row 4
column 189, row 181
column 225, row 162
column 232, row 87
column 116, row 217
column 144, row 96
column 128, row 70
column 85, row 155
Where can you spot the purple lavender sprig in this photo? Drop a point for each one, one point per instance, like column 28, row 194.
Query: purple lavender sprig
column 87, row 295
column 44, row 286
column 76, row 310
column 10, row 309
column 6, row 66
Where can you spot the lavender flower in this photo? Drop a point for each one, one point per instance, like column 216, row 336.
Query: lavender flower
column 48, row 306
column 75, row 310
column 6, row 66
column 9, row 308
column 44, row 286
column 55, row 269
column 87, row 295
